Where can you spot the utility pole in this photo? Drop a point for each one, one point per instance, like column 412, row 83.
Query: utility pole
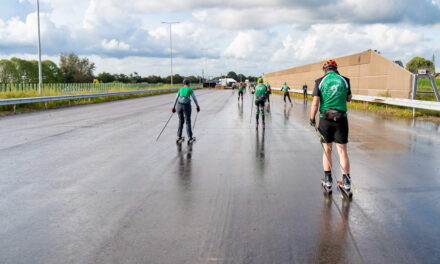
column 171, row 46
column 40, row 70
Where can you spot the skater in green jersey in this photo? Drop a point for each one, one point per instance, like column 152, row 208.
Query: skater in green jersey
column 330, row 97
column 183, row 104
column 261, row 93
column 286, row 89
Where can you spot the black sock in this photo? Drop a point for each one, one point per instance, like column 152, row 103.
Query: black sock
column 328, row 174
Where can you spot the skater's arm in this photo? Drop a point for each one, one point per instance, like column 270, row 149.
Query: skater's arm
column 316, row 100
column 349, row 95
column 175, row 101
column 195, row 99
column 315, row 106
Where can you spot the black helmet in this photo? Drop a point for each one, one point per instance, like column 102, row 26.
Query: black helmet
column 185, row 82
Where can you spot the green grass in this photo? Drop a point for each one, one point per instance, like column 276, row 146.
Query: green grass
column 48, row 90
column 9, row 109
column 425, row 85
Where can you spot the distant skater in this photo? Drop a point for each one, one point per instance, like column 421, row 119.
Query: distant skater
column 240, row 91
column 183, row 103
column 286, row 89
column 305, row 92
column 269, row 92
column 260, row 92
column 251, row 86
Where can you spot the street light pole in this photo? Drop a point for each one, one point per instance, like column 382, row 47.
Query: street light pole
column 206, row 63
column 171, row 46
column 40, row 70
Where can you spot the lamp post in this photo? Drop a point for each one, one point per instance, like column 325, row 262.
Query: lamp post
column 171, row 46
column 40, row 71
column 206, row 63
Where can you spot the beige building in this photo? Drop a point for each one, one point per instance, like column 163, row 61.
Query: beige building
column 370, row 74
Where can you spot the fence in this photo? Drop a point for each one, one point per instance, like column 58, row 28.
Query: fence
column 67, row 88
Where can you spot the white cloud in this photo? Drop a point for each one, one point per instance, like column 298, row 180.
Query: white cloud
column 246, row 44
column 241, row 34
column 19, row 32
column 113, row 44
column 328, row 41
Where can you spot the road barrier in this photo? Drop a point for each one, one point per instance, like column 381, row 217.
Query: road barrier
column 410, row 103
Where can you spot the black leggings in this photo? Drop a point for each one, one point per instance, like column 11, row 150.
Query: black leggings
column 260, row 109
column 287, row 94
column 184, row 113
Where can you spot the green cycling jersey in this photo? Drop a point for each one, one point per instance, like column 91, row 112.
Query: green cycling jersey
column 333, row 89
column 185, row 91
column 260, row 90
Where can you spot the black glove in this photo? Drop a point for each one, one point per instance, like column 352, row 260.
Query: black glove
column 198, row 108
column 313, row 122
column 173, row 110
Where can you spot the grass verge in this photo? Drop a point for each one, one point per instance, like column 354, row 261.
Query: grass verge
column 386, row 110
column 23, row 108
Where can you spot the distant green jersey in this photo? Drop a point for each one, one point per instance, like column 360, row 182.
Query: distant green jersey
column 260, row 90
column 285, row 88
column 185, row 91
column 240, row 88
column 333, row 89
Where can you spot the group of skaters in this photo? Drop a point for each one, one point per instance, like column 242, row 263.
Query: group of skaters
column 330, row 96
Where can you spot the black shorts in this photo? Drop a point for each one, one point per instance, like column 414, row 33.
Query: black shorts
column 260, row 103
column 334, row 131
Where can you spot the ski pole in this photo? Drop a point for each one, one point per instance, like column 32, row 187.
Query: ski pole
column 195, row 120
column 252, row 107
column 164, row 127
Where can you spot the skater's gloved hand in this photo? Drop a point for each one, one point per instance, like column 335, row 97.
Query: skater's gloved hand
column 198, row 108
column 312, row 122
column 173, row 110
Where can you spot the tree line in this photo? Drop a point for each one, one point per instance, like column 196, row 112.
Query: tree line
column 73, row 69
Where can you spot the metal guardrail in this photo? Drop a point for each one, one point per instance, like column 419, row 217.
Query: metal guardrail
column 419, row 104
column 43, row 99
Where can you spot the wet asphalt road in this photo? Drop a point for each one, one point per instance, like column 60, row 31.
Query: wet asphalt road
column 89, row 184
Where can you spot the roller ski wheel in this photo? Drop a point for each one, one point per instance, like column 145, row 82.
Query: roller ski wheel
column 327, row 190
column 191, row 140
column 345, row 193
column 179, row 140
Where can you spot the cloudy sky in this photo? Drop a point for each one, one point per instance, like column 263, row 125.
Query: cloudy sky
column 249, row 36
